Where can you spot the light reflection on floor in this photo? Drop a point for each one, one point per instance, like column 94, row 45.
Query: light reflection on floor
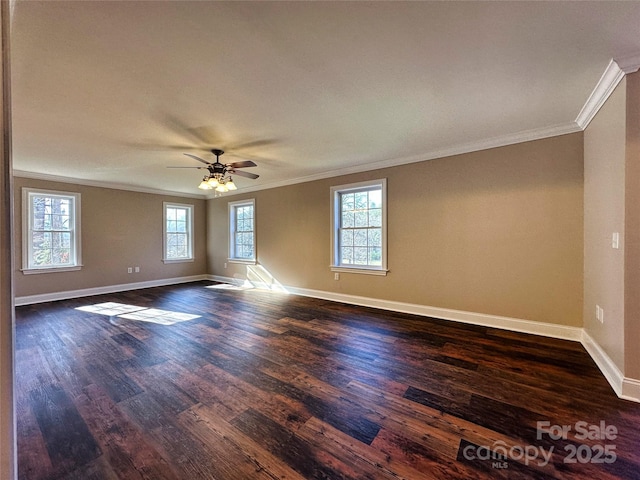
column 143, row 314
column 228, row 286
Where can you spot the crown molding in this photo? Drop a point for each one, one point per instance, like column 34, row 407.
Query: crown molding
column 95, row 183
column 609, row 80
column 629, row 64
column 485, row 144
column 612, row 76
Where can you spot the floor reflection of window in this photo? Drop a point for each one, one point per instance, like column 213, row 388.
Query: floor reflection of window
column 133, row 312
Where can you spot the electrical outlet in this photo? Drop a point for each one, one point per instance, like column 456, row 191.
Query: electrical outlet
column 336, row 276
column 137, row 270
column 615, row 240
column 129, row 270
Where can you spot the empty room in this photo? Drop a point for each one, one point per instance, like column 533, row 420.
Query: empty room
column 320, row 240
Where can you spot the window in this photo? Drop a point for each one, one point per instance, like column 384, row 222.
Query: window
column 51, row 231
column 359, row 223
column 178, row 233
column 242, row 238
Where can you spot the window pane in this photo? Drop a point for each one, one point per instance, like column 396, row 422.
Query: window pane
column 347, row 255
column 375, row 198
column 375, row 217
column 346, row 238
column 361, row 218
column 360, row 255
column 347, row 201
column 60, row 256
column 375, row 256
column 375, row 237
column 360, row 238
column 348, row 219
column 361, row 200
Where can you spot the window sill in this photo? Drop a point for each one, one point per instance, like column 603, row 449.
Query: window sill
column 242, row 261
column 362, row 270
column 32, row 271
column 177, row 260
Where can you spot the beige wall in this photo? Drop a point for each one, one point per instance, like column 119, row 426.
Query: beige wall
column 119, row 229
column 497, row 232
column 604, row 207
column 632, row 230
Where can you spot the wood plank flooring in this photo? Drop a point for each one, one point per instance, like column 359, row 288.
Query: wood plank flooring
column 271, row 386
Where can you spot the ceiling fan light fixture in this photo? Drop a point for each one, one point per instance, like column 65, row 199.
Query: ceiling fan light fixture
column 230, row 185
column 222, row 188
column 204, row 185
column 213, row 182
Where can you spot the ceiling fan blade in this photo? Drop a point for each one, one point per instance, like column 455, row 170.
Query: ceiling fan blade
column 241, row 173
column 243, row 164
column 197, row 158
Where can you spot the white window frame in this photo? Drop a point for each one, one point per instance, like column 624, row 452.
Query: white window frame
column 336, row 192
column 27, row 231
column 233, row 206
column 190, row 228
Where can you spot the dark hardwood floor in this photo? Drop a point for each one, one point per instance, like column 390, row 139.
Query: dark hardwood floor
column 266, row 385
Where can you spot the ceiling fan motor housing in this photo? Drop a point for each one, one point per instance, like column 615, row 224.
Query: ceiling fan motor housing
column 217, row 168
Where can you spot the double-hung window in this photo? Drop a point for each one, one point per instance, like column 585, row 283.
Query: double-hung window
column 359, row 227
column 51, row 231
column 242, row 228
column 178, row 233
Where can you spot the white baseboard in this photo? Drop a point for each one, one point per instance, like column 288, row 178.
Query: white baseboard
column 86, row 292
column 625, row 387
column 631, row 389
column 607, row 366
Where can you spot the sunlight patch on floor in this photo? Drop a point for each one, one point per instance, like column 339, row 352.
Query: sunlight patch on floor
column 143, row 314
column 257, row 277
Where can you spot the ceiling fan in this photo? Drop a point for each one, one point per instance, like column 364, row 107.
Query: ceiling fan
column 219, row 177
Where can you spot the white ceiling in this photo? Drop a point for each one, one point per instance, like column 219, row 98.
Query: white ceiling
column 114, row 92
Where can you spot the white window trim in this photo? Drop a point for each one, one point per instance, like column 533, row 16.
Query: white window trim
column 232, row 223
column 191, row 230
column 26, row 231
column 335, row 228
